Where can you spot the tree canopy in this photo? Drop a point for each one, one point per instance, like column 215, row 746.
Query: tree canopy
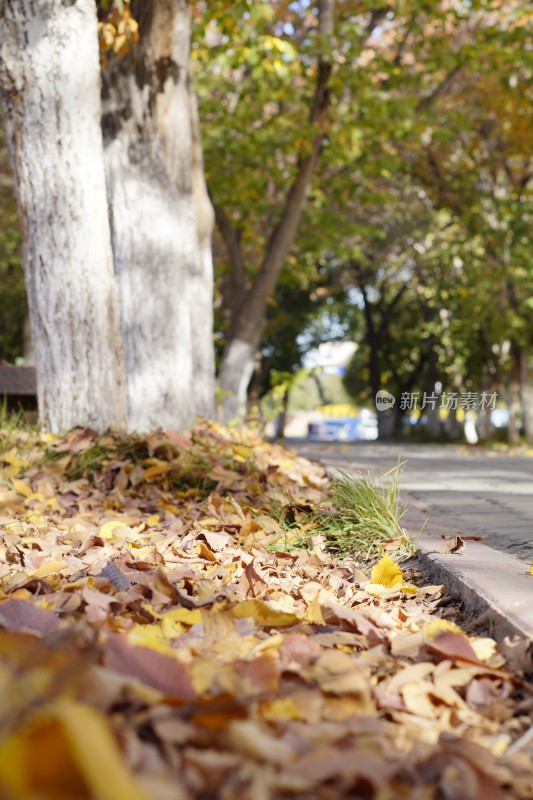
column 416, row 225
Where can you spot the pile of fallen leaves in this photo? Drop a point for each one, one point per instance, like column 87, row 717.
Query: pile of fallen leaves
column 161, row 637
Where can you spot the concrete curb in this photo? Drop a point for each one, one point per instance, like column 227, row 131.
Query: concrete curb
column 487, row 581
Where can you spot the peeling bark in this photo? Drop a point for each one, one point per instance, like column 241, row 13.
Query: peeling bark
column 49, row 80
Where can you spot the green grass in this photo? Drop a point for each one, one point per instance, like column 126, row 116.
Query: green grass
column 366, row 516
column 12, row 425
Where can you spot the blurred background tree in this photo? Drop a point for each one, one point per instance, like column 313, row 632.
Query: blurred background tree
column 415, row 238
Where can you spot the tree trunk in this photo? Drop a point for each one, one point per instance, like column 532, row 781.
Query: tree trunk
column 238, row 364
column 282, row 416
column 432, row 409
column 484, row 424
column 163, row 292
column 514, row 401
column 453, row 426
column 526, row 391
column 248, row 319
column 49, row 79
column 399, row 422
column 202, row 282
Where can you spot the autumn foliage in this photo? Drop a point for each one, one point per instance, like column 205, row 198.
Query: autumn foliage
column 172, row 627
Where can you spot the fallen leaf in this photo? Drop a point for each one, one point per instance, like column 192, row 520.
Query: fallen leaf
column 253, row 740
column 386, row 573
column 22, row 487
column 263, row 614
column 65, row 751
column 455, row 545
column 19, row 615
column 157, row 670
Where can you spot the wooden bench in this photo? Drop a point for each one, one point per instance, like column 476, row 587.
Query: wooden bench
column 18, row 387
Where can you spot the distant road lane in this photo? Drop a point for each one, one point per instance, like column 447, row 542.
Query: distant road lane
column 458, row 489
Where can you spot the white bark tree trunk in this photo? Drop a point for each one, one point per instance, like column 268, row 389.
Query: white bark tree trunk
column 177, row 119
column 49, row 79
column 165, row 298
column 235, row 374
column 201, row 289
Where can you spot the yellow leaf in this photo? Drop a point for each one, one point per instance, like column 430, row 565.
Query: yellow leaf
column 96, row 752
column 314, row 612
column 408, row 588
column 531, row 570
column 153, row 519
column 432, row 629
column 172, row 509
column 37, row 759
column 378, row 590
column 107, row 530
column 204, row 674
column 67, row 750
column 50, row 568
column 34, row 497
column 21, row 487
column 120, row 43
column 484, row 648
column 280, row 708
column 242, row 453
column 386, row 573
column 13, row 458
column 208, row 522
column 156, row 471
column 172, row 622
column 115, row 529
column 150, row 636
column 263, row 615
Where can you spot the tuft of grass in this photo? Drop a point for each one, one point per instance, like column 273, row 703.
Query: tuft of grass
column 366, row 514
column 14, row 427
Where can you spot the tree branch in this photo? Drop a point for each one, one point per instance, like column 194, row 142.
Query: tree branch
column 389, row 308
column 283, row 235
column 428, row 101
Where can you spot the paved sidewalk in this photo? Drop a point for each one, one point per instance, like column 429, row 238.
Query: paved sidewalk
column 457, row 488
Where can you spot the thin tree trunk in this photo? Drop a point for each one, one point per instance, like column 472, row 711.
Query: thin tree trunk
column 514, row 401
column 485, row 427
column 282, row 416
column 452, row 425
column 526, row 391
column 432, row 409
column 147, row 137
column 49, row 79
column 250, row 316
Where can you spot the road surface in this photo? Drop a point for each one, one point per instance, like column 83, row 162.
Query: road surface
column 457, row 488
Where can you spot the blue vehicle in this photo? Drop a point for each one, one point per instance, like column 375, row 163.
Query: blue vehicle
column 344, row 429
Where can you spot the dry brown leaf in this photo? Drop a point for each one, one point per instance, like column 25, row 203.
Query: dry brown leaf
column 455, row 545
column 155, row 669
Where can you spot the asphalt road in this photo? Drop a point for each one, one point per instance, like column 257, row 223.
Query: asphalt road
column 457, row 488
